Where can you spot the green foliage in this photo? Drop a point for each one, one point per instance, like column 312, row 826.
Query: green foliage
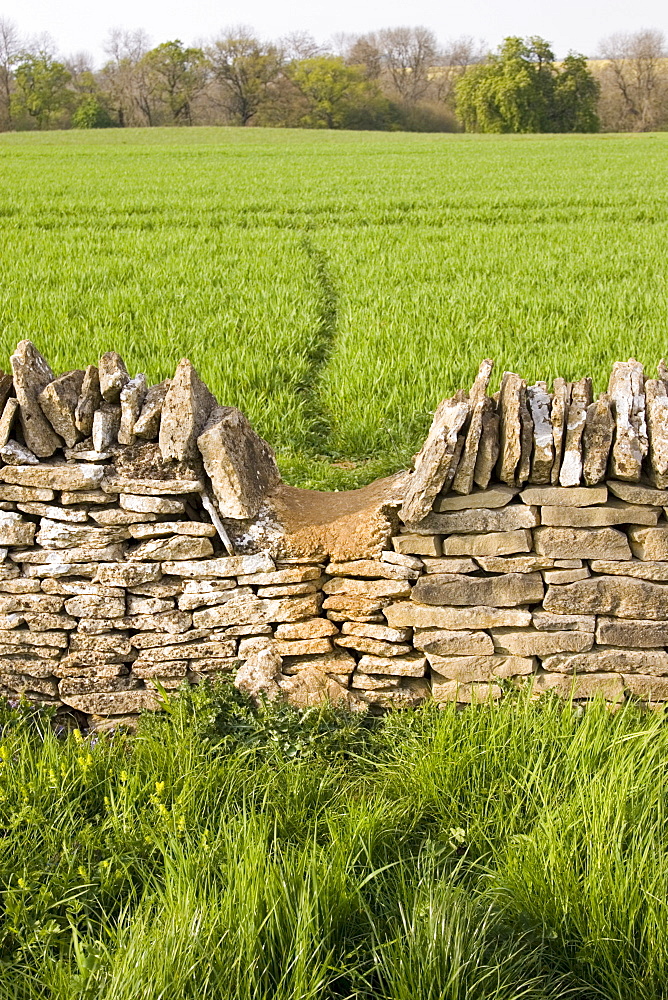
column 521, row 89
column 504, row 852
column 338, row 96
column 91, row 113
column 178, row 74
column 41, row 88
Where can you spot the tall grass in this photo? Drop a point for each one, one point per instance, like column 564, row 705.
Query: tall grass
column 511, row 851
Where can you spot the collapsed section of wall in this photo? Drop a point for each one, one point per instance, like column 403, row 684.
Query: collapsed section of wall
column 147, row 541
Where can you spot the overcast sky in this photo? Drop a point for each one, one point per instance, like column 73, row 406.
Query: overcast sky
column 79, row 25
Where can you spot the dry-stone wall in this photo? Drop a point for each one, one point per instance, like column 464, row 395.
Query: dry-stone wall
column 147, row 540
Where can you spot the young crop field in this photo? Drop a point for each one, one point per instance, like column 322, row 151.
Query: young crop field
column 335, row 286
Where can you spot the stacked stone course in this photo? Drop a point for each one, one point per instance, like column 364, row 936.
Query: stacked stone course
column 147, row 541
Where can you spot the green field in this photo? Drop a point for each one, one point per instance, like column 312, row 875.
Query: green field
column 336, row 286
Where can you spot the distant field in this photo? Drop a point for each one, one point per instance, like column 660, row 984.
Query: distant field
column 335, row 286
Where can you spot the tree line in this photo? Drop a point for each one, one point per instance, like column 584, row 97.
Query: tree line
column 393, row 79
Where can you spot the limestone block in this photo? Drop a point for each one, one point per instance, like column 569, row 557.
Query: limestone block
column 528, row 642
column 148, row 640
column 510, row 431
column 241, row 466
column 132, row 398
column 368, row 568
column 500, row 591
column 561, row 397
column 634, row 493
column 106, row 424
column 115, row 642
column 545, row 621
column 641, row 570
column 96, row 497
column 150, row 487
column 583, row 688
column 410, row 693
column 174, row 548
column 114, row 703
column 469, row 694
column 311, row 628
column 373, row 646
column 479, row 404
column 581, row 543
column 368, row 588
column 488, row 448
column 369, row 682
column 566, row 575
column 9, row 412
column 642, row 633
column 73, row 556
column 650, row 543
column 496, row 543
column 112, row 517
column 423, row 545
column 412, row 665
column 171, row 668
column 311, row 687
column 656, row 398
column 166, row 621
column 52, row 512
column 597, row 439
column 113, row 376
column 434, row 462
column 540, row 402
column 516, row 564
column 411, row 615
column 609, row 660
column 400, row 559
column 338, row 663
column 216, row 649
column 626, row 390
column 450, row 564
column 560, row 496
column 623, row 597
column 224, row 566
column 15, row 530
column 478, row 520
column 185, row 411
column 165, row 587
column 438, row 642
column 59, row 400
column 89, row 401
column 468, row 669
column 294, row 574
column 193, row 601
column 14, row 453
column 253, row 610
column 302, row 647
column 160, row 529
column 48, row 623
column 33, row 640
column 61, row 535
column 59, row 476
column 495, row 496
column 614, row 512
column 73, row 588
column 30, row 685
column 571, row 463
column 382, row 632
column 355, row 604
column 92, row 606
column 645, row 687
column 32, row 374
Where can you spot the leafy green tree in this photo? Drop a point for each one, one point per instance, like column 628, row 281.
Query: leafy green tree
column 244, row 70
column 339, row 96
column 521, row 89
column 41, row 88
column 91, row 113
column 178, row 74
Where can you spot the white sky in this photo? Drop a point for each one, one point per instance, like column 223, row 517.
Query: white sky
column 79, row 25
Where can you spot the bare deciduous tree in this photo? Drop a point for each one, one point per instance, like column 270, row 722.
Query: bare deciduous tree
column 10, row 47
column 244, row 69
column 408, row 57
column 126, row 77
column 633, row 65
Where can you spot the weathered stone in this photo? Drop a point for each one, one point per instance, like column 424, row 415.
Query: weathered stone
column 582, row 688
column 15, row 530
column 371, row 568
column 113, row 375
column 106, row 424
column 114, row 517
column 114, row 703
column 160, row 529
column 27, row 684
column 510, row 405
column 312, row 628
column 381, row 632
column 127, row 574
column 571, row 463
column 624, row 597
column 338, row 663
column 171, row 668
column 442, row 643
column 54, row 477
column 92, row 606
column 241, row 466
column 147, row 425
column 166, row 621
column 493, row 544
column 413, row 665
column 581, row 543
column 495, row 591
column 75, row 587
column 59, row 400
column 55, row 570
column 88, row 402
column 26, row 665
column 526, row 439
column 368, row 588
column 494, row 496
column 67, row 498
column 116, row 642
column 47, row 623
column 185, row 411
column 295, row 574
column 408, row 614
column 480, row 520
column 151, row 505
column 515, row 564
column 400, row 559
column 423, row 545
column 14, row 453
column 566, row 575
column 597, row 440
column 479, row 404
column 258, row 676
column 223, row 648
column 468, row 694
column 468, row 669
column 643, row 634
column 656, row 401
column 609, row 659
column 311, row 687
column 53, row 513
column 633, row 493
column 641, row 570
column 650, row 543
column 193, row 601
column 646, row 688
column 411, row 693
column 165, row 587
column 527, row 642
column 32, row 374
column 450, row 564
column 150, row 487
column 288, row 590
column 132, row 398
column 9, row 412
column 369, row 682
column 376, row 647
column 20, row 586
column 25, row 637
column 224, row 566
column 253, row 610
column 82, row 554
column 626, row 389
column 60, row 535
column 558, row 496
column 436, row 460
column 177, row 547
column 299, row 647
column 88, row 685
column 148, row 639
column 547, row 622
column 614, row 512
column 488, row 447
column 352, row 605
column 539, row 401
column 101, row 626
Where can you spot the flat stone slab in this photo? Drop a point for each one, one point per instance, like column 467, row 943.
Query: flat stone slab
column 623, row 597
column 501, row 591
column 495, row 496
column 582, row 543
column 564, row 496
column 54, row 477
column 411, row 615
